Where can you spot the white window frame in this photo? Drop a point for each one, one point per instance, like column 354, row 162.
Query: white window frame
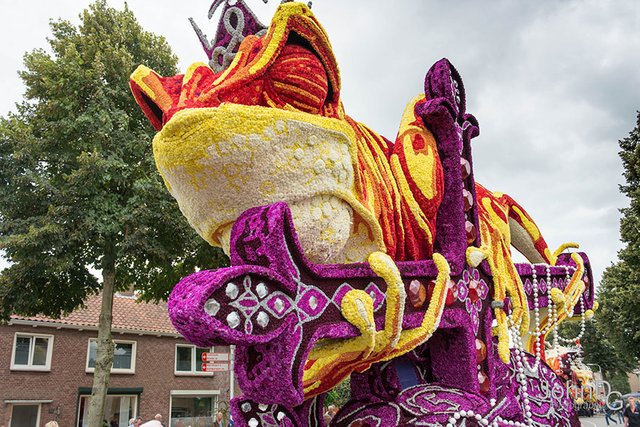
column 132, row 370
column 39, row 404
column 193, row 372
column 30, row 366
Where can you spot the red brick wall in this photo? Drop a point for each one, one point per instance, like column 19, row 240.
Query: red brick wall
column 154, row 372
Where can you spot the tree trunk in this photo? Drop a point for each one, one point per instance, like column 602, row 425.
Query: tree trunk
column 104, row 356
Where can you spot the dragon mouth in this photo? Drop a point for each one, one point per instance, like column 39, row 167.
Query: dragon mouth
column 291, row 67
column 152, row 110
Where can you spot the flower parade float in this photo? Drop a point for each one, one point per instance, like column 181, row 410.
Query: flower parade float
column 352, row 256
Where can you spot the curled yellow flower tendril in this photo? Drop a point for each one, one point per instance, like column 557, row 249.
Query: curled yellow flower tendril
column 331, row 361
column 562, row 248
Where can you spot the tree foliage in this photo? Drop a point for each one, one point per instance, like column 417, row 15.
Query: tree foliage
column 601, row 354
column 619, row 292
column 78, row 185
column 339, row 395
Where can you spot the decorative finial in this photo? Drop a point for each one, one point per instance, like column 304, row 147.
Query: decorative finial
column 236, row 22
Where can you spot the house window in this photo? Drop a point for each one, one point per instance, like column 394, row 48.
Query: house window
column 32, row 352
column 124, row 357
column 189, row 360
column 25, row 416
column 118, row 409
column 193, row 408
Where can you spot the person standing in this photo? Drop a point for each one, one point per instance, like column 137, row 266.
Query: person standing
column 158, row 418
column 219, row 421
column 608, row 415
column 632, row 414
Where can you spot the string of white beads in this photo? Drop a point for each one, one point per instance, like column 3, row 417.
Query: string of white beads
column 536, row 317
column 456, row 417
column 521, row 377
column 583, row 321
column 553, row 313
column 569, row 312
column 519, row 359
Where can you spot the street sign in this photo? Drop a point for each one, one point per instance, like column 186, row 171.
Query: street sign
column 215, row 357
column 215, row 367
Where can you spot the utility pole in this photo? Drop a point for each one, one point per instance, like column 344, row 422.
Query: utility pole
column 232, row 358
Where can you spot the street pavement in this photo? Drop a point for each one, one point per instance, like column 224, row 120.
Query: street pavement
column 597, row 421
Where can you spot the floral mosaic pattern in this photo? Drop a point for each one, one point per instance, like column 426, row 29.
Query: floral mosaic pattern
column 472, row 291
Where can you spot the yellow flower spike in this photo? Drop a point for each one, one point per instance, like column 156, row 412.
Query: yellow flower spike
column 439, row 290
column 521, row 317
column 562, row 248
column 523, row 306
column 476, row 255
column 576, row 285
column 414, row 337
column 596, row 305
column 589, row 314
column 558, row 297
column 501, row 318
column 357, row 308
column 385, row 267
column 572, row 294
column 506, row 283
column 503, row 337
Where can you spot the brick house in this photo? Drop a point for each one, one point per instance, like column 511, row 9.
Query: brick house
column 46, row 369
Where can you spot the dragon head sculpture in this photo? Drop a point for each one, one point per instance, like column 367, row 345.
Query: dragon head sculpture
column 272, row 127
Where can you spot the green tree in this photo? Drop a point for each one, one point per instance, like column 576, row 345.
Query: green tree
column 600, row 353
column 78, row 186
column 619, row 292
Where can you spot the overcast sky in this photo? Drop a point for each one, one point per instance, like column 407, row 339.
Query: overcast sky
column 554, row 85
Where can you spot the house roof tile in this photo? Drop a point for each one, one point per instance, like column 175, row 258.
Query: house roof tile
column 129, row 315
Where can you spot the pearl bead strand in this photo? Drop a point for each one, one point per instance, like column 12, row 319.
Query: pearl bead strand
column 569, row 312
column 519, row 354
column 536, row 316
column 521, row 377
column 455, row 418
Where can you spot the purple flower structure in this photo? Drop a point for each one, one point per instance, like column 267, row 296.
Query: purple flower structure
column 472, row 291
column 278, row 308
